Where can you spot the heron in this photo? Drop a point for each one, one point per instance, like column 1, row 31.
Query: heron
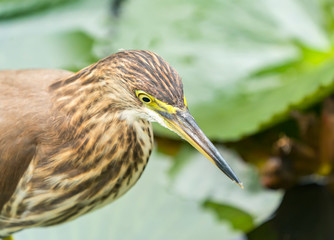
column 74, row 142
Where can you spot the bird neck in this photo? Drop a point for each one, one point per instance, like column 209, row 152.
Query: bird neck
column 89, row 111
column 84, row 106
column 87, row 94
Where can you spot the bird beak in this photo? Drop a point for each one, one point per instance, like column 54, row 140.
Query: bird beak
column 185, row 126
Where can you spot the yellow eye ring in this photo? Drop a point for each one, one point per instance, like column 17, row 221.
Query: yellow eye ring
column 143, row 97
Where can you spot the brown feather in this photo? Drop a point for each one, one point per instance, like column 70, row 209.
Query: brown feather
column 23, row 112
column 71, row 143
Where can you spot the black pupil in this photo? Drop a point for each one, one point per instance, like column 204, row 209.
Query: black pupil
column 146, row 99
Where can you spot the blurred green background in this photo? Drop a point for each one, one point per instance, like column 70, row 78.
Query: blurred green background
column 245, row 64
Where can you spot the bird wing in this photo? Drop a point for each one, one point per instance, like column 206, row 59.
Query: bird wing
column 24, row 110
column 14, row 160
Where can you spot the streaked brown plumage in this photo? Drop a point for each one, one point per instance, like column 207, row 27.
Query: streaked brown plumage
column 70, row 143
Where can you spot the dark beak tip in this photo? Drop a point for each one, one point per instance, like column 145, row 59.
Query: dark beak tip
column 187, row 128
column 235, row 179
column 240, row 185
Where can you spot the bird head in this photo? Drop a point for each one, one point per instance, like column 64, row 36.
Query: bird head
column 154, row 91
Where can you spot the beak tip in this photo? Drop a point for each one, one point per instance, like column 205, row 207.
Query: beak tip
column 185, row 125
column 235, row 179
column 240, row 185
column 231, row 175
column 225, row 168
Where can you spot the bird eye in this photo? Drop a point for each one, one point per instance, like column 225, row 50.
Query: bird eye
column 144, row 98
